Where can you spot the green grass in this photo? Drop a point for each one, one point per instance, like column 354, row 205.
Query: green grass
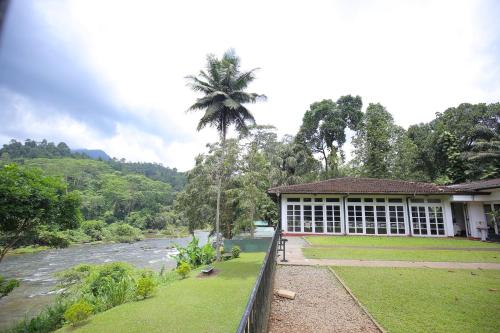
column 212, row 304
column 427, row 300
column 28, row 249
column 406, row 255
column 397, row 241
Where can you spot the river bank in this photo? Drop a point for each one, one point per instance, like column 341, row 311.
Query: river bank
column 36, row 270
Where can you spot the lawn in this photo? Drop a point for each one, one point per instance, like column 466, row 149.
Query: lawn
column 397, row 241
column 428, row 300
column 397, row 254
column 213, row 304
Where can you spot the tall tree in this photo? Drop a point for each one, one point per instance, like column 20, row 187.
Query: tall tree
column 324, row 125
column 223, row 86
column 373, row 142
column 29, row 200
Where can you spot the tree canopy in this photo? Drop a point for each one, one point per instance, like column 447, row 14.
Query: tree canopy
column 29, row 200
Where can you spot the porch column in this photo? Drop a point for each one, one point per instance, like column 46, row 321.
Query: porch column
column 448, row 219
column 476, row 215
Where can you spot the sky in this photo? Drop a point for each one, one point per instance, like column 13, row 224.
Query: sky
column 110, row 75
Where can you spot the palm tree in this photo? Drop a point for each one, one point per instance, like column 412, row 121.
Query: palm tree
column 223, row 85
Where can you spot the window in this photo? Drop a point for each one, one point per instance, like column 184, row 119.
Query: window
column 417, row 200
column 380, row 200
column 307, row 199
column 332, row 200
column 318, row 219
column 395, row 200
column 381, row 220
column 397, row 220
column 293, row 200
column 353, row 199
column 307, row 218
column 333, row 219
column 427, row 218
column 355, row 219
column 318, row 199
column 293, row 218
column 436, row 221
column 434, row 200
column 370, row 220
column 368, row 200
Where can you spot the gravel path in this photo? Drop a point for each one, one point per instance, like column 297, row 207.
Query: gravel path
column 320, row 305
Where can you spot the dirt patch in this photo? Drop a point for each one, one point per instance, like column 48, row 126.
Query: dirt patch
column 321, row 304
column 214, row 272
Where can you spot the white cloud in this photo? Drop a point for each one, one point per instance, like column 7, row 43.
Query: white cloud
column 416, row 58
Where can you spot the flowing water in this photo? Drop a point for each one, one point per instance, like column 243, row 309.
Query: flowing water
column 36, row 271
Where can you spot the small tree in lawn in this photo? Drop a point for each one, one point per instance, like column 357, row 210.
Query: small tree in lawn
column 29, row 200
column 223, row 85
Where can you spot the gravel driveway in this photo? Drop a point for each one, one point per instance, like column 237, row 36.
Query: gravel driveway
column 320, row 305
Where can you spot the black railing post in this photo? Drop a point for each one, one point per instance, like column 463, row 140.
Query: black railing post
column 284, row 240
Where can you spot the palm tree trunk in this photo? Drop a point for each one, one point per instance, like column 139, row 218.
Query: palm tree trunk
column 219, row 189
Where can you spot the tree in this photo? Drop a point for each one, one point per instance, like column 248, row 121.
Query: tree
column 29, row 200
column 373, row 142
column 223, row 86
column 324, row 126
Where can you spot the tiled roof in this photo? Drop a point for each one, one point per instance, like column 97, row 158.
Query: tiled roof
column 350, row 185
column 478, row 185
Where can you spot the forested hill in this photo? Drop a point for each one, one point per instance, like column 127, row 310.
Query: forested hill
column 18, row 152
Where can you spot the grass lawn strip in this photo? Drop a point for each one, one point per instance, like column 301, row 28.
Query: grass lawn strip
column 405, row 255
column 194, row 304
column 398, row 242
column 427, row 300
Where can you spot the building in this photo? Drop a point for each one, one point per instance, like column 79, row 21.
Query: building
column 368, row 206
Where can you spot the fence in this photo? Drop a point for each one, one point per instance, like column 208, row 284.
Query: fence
column 256, row 315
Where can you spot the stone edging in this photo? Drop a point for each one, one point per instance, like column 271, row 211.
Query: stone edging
column 380, row 328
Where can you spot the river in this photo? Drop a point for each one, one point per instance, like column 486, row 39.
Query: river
column 36, row 271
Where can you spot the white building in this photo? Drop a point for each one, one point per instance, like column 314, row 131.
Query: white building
column 368, row 206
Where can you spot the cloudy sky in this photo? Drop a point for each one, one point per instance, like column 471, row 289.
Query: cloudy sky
column 110, row 74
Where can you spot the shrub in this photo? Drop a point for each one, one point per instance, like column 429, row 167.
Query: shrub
column 6, row 286
column 53, row 239
column 183, row 269
column 94, row 229
column 124, row 233
column 207, row 254
column 145, row 287
column 46, row 321
column 78, row 312
column 75, row 236
column 235, row 251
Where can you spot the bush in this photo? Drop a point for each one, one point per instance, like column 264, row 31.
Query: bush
column 75, row 236
column 145, row 287
column 183, row 269
column 53, row 239
column 124, row 233
column 47, row 321
column 6, row 286
column 78, row 312
column 207, row 254
column 94, row 229
column 235, row 251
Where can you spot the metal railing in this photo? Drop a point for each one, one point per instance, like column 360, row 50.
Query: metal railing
column 256, row 315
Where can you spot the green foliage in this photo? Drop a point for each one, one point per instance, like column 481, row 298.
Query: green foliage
column 145, row 287
column 29, row 200
column 107, row 194
column 33, row 149
column 53, row 239
column 78, row 312
column 183, row 269
column 6, row 286
column 123, row 233
column 195, row 255
column 235, row 251
column 104, row 286
column 323, row 129
column 47, row 321
column 95, row 229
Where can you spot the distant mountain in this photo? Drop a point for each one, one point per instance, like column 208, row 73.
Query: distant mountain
column 93, row 153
